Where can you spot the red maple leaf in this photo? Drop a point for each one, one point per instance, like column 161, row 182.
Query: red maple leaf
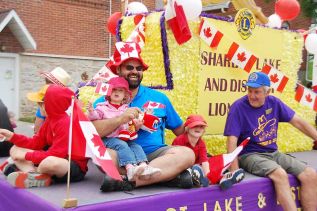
column 126, row 48
column 207, row 32
column 154, row 104
column 138, row 39
column 241, row 57
column 98, row 143
column 308, row 98
column 274, row 78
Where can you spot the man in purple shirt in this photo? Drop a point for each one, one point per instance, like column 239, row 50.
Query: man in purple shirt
column 257, row 115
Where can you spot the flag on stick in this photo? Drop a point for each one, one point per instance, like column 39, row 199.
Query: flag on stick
column 277, row 78
column 104, row 74
column 138, row 34
column 93, row 146
column 219, row 163
column 103, row 89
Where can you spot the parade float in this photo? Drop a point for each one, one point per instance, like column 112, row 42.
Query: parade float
column 202, row 68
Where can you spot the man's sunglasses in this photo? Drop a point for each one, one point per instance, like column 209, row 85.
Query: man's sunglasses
column 131, row 67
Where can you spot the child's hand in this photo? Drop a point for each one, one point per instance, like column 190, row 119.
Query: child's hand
column 5, row 134
column 137, row 123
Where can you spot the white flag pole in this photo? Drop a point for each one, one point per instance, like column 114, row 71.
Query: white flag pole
column 70, row 202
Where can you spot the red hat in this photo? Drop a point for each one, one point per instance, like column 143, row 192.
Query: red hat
column 123, row 52
column 120, row 82
column 195, row 120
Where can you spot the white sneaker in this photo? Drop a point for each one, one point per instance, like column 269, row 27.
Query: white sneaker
column 134, row 172
column 149, row 172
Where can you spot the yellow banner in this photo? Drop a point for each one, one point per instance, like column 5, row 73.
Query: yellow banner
column 221, row 82
column 205, row 82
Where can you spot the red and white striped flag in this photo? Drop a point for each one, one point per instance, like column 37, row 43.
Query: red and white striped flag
column 241, row 57
column 209, row 33
column 152, row 104
column 219, row 163
column 103, row 89
column 277, row 78
column 92, row 146
column 138, row 34
column 176, row 19
column 306, row 97
column 104, row 74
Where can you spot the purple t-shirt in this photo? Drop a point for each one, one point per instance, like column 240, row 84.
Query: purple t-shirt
column 260, row 124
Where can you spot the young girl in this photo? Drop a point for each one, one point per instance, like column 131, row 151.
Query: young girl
column 130, row 155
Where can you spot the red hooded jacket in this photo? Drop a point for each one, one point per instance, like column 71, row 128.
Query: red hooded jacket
column 54, row 133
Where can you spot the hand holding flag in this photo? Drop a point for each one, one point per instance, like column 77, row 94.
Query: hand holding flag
column 103, row 89
column 219, row 163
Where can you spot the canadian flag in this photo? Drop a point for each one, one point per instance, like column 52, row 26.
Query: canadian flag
column 176, row 19
column 277, row 78
column 209, row 33
column 138, row 34
column 219, row 163
column 104, row 74
column 306, row 97
column 151, row 104
column 103, row 89
column 126, row 50
column 241, row 57
column 92, row 146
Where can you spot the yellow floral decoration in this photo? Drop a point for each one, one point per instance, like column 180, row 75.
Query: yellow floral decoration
column 185, row 67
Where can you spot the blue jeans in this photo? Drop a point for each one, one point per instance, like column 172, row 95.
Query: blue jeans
column 128, row 152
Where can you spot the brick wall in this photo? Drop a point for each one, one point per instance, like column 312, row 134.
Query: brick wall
column 65, row 27
column 8, row 42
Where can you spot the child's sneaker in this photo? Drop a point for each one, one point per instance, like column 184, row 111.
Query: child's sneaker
column 8, row 168
column 231, row 178
column 149, row 172
column 198, row 177
column 134, row 172
column 27, row 180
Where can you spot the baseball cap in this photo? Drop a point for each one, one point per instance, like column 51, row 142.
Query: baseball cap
column 195, row 120
column 258, row 79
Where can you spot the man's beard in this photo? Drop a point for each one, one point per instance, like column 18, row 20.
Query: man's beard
column 133, row 84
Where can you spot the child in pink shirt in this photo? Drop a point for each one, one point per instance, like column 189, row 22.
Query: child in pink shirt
column 130, row 155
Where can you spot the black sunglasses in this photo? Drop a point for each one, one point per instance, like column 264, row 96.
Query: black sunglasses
column 131, row 67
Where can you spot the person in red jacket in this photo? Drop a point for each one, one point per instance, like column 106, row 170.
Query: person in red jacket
column 38, row 160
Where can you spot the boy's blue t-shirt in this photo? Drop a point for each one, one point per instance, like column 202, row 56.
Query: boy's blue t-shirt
column 162, row 108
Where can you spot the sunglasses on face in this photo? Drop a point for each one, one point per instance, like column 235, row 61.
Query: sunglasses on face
column 131, row 67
